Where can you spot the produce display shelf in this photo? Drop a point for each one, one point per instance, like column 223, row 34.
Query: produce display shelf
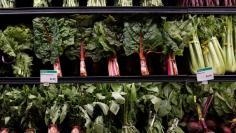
column 92, row 10
column 121, row 79
column 118, row 10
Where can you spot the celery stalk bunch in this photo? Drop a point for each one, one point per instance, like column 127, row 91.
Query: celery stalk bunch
column 208, row 30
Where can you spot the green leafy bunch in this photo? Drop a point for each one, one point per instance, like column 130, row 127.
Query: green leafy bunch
column 105, row 40
column 52, row 36
column 15, row 42
column 151, row 36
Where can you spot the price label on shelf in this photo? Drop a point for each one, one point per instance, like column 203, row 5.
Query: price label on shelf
column 48, row 76
column 205, row 74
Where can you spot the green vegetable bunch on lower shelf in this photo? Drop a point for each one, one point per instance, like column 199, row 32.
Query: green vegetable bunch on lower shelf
column 118, row 108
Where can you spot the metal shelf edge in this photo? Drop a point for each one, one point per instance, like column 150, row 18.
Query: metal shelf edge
column 121, row 79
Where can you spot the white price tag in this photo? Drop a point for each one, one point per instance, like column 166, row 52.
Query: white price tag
column 48, row 76
column 205, row 74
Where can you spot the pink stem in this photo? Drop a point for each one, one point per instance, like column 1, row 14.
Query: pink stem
column 4, row 130
column 83, row 71
column 53, row 129
column 113, row 67
column 76, row 129
column 143, row 62
column 57, row 67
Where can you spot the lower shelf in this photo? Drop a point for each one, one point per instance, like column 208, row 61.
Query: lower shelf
column 121, row 79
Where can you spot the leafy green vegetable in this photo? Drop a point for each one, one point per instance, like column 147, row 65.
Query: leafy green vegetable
column 52, row 36
column 14, row 42
column 152, row 36
column 104, row 42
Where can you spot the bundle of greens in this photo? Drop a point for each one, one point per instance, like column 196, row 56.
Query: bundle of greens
column 84, row 33
column 56, row 106
column 141, row 37
column 152, row 3
column 14, row 42
column 124, row 3
column 97, row 3
column 32, row 108
column 176, row 34
column 10, row 111
column 129, row 109
column 105, row 42
column 41, row 3
column 7, row 3
column 208, row 30
column 99, row 106
column 51, row 37
column 70, row 3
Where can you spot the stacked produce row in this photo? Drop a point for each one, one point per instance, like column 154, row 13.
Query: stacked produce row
column 115, row 108
column 208, row 41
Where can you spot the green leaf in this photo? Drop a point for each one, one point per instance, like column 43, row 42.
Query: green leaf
column 165, row 108
column 103, row 107
column 99, row 125
column 114, row 107
column 6, row 120
column 100, row 96
column 89, row 108
column 117, row 96
column 64, row 111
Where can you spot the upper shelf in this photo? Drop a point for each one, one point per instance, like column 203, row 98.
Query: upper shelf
column 118, row 10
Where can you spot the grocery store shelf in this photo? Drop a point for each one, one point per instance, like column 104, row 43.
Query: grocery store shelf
column 93, row 10
column 118, row 10
column 121, row 79
column 212, row 10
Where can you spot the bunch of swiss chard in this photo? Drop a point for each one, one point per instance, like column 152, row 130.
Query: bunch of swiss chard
column 175, row 35
column 51, row 37
column 141, row 37
column 104, row 42
column 15, row 42
column 84, row 33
